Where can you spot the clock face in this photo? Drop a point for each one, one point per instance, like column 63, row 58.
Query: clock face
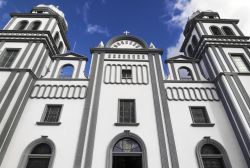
column 126, row 44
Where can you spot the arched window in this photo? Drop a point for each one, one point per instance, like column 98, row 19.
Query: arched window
column 39, row 156
column 127, row 150
column 194, row 41
column 35, row 25
column 56, row 38
column 228, row 31
column 185, row 73
column 39, row 153
column 215, row 30
column 21, row 25
column 190, row 50
column 66, row 71
column 60, row 47
column 211, row 154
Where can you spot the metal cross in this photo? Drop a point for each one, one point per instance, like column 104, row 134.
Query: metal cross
column 126, row 32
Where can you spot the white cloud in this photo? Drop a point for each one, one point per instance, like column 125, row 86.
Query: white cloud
column 92, row 28
column 97, row 29
column 230, row 9
column 2, row 3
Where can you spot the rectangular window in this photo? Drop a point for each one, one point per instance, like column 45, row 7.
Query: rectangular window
column 8, row 57
column 199, row 115
column 126, row 111
column 126, row 73
column 52, row 113
column 240, row 62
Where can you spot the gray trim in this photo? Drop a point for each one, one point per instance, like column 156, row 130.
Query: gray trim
column 126, row 60
column 24, row 158
column 219, row 59
column 198, row 31
column 238, row 30
column 10, row 23
column 242, row 89
column 192, row 94
column 54, row 69
column 159, row 124
column 126, row 134
column 57, row 79
column 196, row 71
column 27, row 49
column 226, row 59
column 86, row 111
column 94, row 113
column 207, row 140
column 78, row 69
column 173, row 70
column 238, row 98
column 38, row 58
column 48, row 123
column 48, row 23
column 203, row 28
column 1, row 45
column 238, row 127
column 34, row 50
column 186, row 81
column 202, row 124
column 126, row 124
column 53, row 29
column 42, row 64
column 38, row 93
column 141, row 70
column 6, row 86
column 126, row 50
column 210, row 66
column 14, row 117
column 166, row 113
column 10, row 96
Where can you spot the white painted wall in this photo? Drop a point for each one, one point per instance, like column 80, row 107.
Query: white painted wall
column 108, row 115
column 187, row 137
column 64, row 136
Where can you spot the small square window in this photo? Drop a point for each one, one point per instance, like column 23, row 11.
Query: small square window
column 126, row 74
column 240, row 62
column 8, row 57
column 200, row 116
column 126, row 111
column 51, row 115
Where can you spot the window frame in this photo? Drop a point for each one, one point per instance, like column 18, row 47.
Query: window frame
column 42, row 120
column 126, row 70
column 18, row 25
column 25, row 156
column 5, row 50
column 60, row 76
column 119, row 123
column 190, row 71
column 195, row 124
column 223, row 155
column 32, row 24
column 246, row 62
column 221, row 33
column 222, row 28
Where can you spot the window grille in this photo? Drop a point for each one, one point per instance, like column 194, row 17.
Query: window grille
column 8, row 57
column 126, row 111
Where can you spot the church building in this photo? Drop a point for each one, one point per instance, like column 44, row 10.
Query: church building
column 126, row 113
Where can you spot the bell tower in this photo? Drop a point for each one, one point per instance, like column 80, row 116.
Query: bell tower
column 224, row 58
column 27, row 46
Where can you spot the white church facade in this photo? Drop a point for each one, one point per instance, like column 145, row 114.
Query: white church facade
column 126, row 113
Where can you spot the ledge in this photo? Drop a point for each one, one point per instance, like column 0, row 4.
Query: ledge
column 126, row 124
column 202, row 124
column 48, row 123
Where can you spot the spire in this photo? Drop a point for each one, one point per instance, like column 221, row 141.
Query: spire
column 152, row 46
column 101, row 45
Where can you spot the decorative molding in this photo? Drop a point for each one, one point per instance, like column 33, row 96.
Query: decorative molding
column 126, row 57
column 58, row 92
column 112, row 74
column 192, row 94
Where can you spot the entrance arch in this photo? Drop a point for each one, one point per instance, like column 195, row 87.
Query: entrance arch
column 127, row 150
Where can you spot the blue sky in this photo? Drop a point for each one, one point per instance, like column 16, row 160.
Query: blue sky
column 157, row 21
column 92, row 21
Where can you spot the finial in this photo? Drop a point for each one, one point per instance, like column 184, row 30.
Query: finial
column 126, row 32
column 151, row 45
column 101, row 45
